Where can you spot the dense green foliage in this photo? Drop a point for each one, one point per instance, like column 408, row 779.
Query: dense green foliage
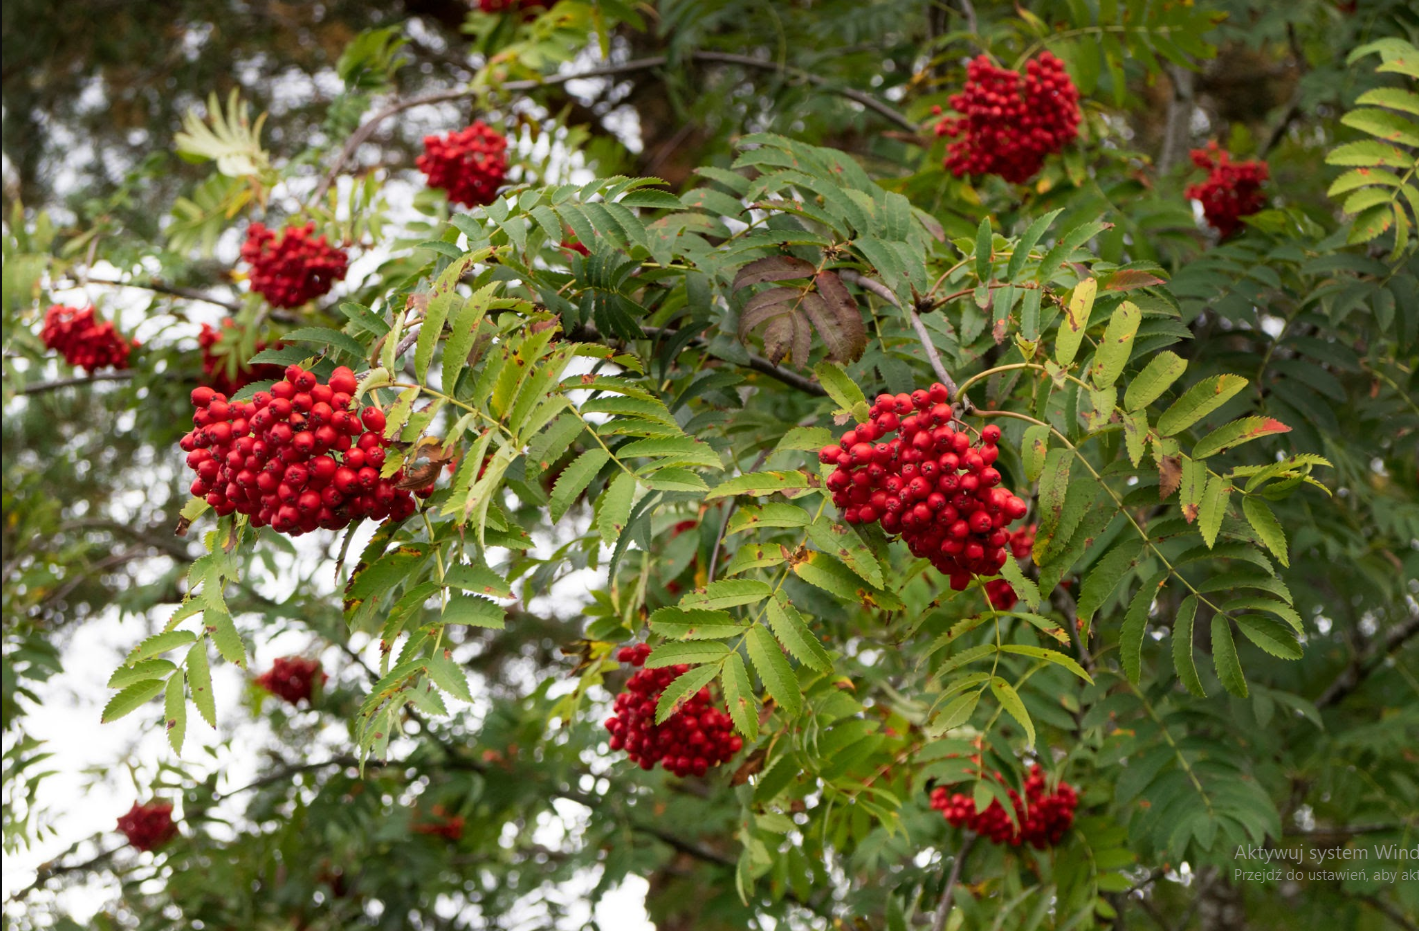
column 1219, row 441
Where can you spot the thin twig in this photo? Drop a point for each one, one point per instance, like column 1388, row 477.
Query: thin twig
column 367, row 129
column 1366, row 663
column 41, row 387
column 923, row 334
column 756, row 362
column 50, row 870
column 1389, row 911
column 156, row 287
column 943, row 911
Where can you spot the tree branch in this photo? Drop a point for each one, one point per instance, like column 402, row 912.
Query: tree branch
column 367, row 129
column 1364, row 664
column 1389, row 911
column 190, row 294
column 42, row 386
column 756, row 362
column 50, row 870
column 923, row 334
column 943, row 911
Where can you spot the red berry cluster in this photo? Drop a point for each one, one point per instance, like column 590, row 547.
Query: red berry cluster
column 468, row 164
column 293, row 268
column 216, row 371
column 930, row 483
column 149, row 826
column 1002, row 596
column 691, row 740
column 83, row 340
column 1043, row 818
column 1232, row 189
column 296, row 457
column 442, row 824
column 1007, row 126
column 293, row 678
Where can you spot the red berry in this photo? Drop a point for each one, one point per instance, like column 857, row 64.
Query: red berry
column 1232, row 189
column 83, row 341
column 149, row 826
column 294, row 268
column 469, row 164
column 292, row 678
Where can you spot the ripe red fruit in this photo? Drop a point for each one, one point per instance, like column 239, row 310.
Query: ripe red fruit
column 295, row 267
column 1043, row 819
column 1008, row 125
column 292, row 678
column 261, row 458
column 1232, row 189
column 468, row 165
column 697, row 736
column 930, row 484
column 218, row 371
column 441, row 824
column 83, row 341
column 149, row 826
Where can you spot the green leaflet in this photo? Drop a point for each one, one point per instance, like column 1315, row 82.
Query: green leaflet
column 1104, row 577
column 1034, row 447
column 1270, row 634
column 843, row 542
column 574, row 479
column 1009, row 699
column 473, row 611
column 1157, row 377
column 1054, row 485
column 131, row 699
column 1135, row 623
column 728, row 593
column 678, row 691
column 1049, row 656
column 793, row 632
column 613, row 507
column 689, row 652
column 775, row 672
column 1214, row 507
column 1024, row 588
column 1224, row 657
column 760, row 484
column 1236, row 433
column 449, row 676
column 199, row 682
column 1075, row 322
column 1198, row 401
column 739, row 696
column 842, row 389
column 175, row 712
column 1267, row 527
column 1116, row 346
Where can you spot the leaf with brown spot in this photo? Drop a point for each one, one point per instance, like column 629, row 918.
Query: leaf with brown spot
column 841, row 329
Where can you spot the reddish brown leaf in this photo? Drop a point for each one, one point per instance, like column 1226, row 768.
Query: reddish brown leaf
column 1169, row 476
column 778, row 338
column 1129, row 279
column 752, row 765
column 840, row 328
column 772, row 268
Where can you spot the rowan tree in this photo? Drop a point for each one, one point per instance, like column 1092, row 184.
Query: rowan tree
column 847, row 464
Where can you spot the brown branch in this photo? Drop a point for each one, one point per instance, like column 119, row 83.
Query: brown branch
column 923, row 334
column 1389, row 911
column 1364, row 664
column 190, row 294
column 50, row 870
column 943, row 911
column 367, row 129
column 43, row 386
